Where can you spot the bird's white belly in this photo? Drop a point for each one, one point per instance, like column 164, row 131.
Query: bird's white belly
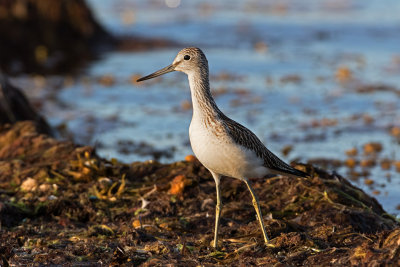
column 219, row 154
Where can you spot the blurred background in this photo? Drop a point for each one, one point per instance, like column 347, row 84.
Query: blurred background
column 317, row 81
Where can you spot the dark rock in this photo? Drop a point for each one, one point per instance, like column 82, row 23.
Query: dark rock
column 48, row 36
column 11, row 215
column 14, row 106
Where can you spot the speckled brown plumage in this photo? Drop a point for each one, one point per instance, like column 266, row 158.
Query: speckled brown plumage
column 246, row 138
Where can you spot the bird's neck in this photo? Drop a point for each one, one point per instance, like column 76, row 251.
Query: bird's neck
column 203, row 102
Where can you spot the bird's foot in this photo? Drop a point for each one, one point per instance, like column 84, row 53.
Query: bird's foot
column 270, row 245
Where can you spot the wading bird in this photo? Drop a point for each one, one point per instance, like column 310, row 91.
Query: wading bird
column 223, row 146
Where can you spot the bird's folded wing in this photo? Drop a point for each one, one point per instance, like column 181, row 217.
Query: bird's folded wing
column 246, row 138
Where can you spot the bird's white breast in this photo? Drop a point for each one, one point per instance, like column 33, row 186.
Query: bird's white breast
column 218, row 152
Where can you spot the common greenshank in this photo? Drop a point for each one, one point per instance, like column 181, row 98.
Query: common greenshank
column 223, row 146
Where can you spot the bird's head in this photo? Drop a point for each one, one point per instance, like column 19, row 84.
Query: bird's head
column 188, row 60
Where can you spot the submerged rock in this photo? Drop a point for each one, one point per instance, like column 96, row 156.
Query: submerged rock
column 323, row 220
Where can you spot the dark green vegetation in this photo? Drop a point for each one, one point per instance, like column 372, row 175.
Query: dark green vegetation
column 60, row 203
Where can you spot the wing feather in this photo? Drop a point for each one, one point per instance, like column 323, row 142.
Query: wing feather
column 249, row 140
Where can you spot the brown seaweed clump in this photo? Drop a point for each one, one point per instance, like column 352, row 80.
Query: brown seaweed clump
column 62, row 204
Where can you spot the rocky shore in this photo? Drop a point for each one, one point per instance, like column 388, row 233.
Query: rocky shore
column 62, row 204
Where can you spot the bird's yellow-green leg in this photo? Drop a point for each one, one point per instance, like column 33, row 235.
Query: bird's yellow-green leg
column 218, row 208
column 258, row 210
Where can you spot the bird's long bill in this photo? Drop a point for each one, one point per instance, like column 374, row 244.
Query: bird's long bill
column 167, row 69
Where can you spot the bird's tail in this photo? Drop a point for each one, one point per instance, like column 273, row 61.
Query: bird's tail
column 291, row 172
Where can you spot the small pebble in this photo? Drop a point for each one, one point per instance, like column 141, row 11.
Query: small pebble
column 286, row 150
column 44, row 187
column 29, row 185
column 368, row 181
column 343, row 74
column 178, row 185
column 368, row 119
column 107, row 80
column 105, row 182
column 395, row 131
column 352, row 152
column 190, row 158
column 136, row 224
column 372, row 148
column 367, row 163
column 350, row 162
column 397, row 165
column 386, row 164
column 52, row 197
column 376, row 192
column 261, row 47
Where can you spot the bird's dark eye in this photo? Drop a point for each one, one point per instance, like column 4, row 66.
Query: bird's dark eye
column 186, row 57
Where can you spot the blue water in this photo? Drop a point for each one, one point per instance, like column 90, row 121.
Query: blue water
column 309, row 39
